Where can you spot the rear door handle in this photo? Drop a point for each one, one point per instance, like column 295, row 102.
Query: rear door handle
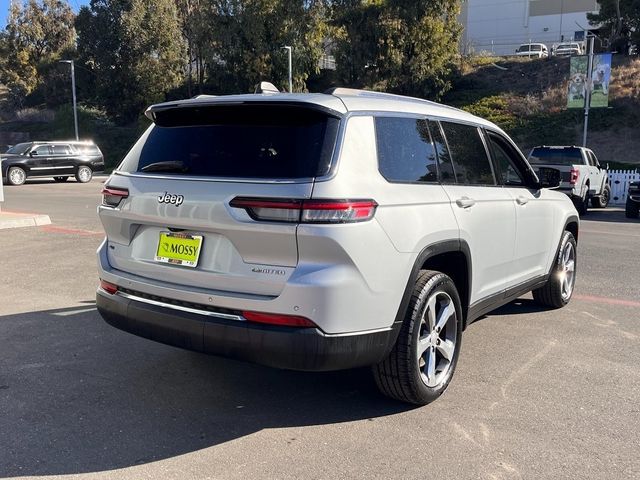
column 465, row 202
column 522, row 200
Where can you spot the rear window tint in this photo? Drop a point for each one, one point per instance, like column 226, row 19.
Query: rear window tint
column 243, row 141
column 468, row 154
column 61, row 149
column 555, row 156
column 405, row 150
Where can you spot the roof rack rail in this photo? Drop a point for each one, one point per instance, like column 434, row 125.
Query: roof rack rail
column 338, row 91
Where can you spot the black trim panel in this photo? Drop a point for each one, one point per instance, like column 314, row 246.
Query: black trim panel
column 447, row 246
column 482, row 307
column 281, row 347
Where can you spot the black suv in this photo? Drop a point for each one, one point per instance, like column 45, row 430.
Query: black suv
column 59, row 160
column 632, row 209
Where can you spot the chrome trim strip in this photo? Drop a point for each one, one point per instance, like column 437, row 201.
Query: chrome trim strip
column 224, row 316
column 353, row 334
column 50, row 168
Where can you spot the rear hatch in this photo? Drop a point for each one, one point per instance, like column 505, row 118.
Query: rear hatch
column 561, row 158
column 175, row 223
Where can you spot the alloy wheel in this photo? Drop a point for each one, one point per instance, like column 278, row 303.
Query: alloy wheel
column 568, row 268
column 437, row 339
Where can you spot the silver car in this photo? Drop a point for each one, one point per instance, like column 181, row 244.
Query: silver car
column 328, row 231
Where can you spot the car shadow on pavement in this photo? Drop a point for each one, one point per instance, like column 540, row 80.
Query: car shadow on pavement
column 608, row 215
column 518, row 306
column 78, row 396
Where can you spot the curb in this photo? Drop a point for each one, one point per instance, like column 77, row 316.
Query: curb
column 19, row 220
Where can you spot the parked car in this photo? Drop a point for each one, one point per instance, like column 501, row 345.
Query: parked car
column 632, row 207
column 59, row 160
column 538, row 50
column 568, row 49
column 583, row 178
column 328, row 231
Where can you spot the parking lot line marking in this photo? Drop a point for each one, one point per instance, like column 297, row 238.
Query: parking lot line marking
column 72, row 231
column 607, row 300
column 74, row 312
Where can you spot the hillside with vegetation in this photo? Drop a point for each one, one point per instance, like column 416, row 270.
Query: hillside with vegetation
column 129, row 54
column 528, row 99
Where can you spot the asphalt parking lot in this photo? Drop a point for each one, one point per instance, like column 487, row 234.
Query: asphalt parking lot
column 537, row 393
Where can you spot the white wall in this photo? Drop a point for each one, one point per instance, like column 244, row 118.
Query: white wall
column 499, row 26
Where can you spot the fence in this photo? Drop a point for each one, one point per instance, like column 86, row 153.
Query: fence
column 619, row 181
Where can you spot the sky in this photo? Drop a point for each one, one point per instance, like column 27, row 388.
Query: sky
column 4, row 8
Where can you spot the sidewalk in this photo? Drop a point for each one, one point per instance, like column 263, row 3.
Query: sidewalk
column 16, row 220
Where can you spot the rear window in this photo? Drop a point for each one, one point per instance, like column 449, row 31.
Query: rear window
column 241, row 141
column 529, row 48
column 405, row 150
column 89, row 149
column 555, row 156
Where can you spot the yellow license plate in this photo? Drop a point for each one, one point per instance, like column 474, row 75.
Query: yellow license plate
column 179, row 249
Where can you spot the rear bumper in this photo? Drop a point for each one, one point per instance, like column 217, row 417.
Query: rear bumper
column 307, row 349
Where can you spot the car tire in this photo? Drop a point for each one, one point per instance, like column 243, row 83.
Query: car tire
column 602, row 200
column 582, row 204
column 84, row 174
column 422, row 362
column 61, row 179
column 16, row 176
column 632, row 209
column 558, row 290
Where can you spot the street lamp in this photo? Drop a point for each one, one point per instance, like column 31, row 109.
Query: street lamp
column 288, row 49
column 73, row 88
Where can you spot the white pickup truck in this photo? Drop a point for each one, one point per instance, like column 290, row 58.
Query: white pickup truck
column 583, row 178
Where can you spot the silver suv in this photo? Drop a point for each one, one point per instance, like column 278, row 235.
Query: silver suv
column 328, row 231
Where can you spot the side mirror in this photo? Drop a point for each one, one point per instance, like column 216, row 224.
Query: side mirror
column 549, row 177
column 33, row 154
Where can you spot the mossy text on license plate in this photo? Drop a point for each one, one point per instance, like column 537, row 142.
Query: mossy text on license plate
column 179, row 249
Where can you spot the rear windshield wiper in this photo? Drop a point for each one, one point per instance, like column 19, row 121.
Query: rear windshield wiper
column 169, row 167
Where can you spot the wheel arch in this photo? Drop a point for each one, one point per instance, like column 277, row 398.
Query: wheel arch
column 572, row 224
column 451, row 257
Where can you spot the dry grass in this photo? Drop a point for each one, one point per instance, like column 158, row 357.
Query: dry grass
column 625, row 82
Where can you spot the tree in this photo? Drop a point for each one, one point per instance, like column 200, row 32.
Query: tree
column 135, row 50
column 37, row 32
column 619, row 22
column 247, row 36
column 403, row 46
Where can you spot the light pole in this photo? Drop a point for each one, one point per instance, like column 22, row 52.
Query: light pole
column 561, row 13
column 288, row 49
column 73, row 89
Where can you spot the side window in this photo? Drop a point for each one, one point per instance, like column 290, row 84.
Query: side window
column 592, row 159
column 405, row 150
column 41, row 150
column 447, row 175
column 61, row 149
column 468, row 154
column 505, row 160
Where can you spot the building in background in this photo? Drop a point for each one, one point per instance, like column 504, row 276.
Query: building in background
column 500, row 26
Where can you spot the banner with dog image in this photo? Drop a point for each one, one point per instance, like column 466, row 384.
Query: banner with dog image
column 600, row 78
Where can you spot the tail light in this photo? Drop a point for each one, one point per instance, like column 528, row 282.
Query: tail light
column 575, row 174
column 306, row 211
column 112, row 196
column 278, row 319
column 110, row 288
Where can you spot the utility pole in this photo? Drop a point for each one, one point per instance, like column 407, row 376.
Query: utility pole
column 288, row 49
column 587, row 97
column 73, row 89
